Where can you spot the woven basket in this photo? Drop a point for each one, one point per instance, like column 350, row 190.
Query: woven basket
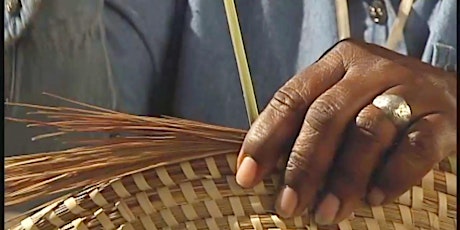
column 200, row 192
column 203, row 194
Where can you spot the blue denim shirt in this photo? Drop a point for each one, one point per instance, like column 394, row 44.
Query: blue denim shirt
column 175, row 57
column 282, row 38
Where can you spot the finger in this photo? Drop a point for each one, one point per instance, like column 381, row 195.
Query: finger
column 323, row 129
column 363, row 149
column 366, row 140
column 424, row 144
column 273, row 133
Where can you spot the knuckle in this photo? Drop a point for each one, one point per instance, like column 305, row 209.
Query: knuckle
column 423, row 146
column 323, row 112
column 381, row 65
column 299, row 168
column 297, row 161
column 330, row 61
column 255, row 136
column 287, row 99
column 377, row 65
column 301, row 163
column 347, row 49
column 345, row 44
column 340, row 53
column 316, row 120
column 369, row 126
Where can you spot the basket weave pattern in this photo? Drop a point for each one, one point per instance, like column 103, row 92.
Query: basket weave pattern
column 203, row 194
column 179, row 174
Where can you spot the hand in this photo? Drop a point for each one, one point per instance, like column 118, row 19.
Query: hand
column 342, row 149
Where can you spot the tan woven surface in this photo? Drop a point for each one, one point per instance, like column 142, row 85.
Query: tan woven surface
column 177, row 174
column 203, row 194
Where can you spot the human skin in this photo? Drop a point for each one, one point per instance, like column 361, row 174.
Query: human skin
column 342, row 149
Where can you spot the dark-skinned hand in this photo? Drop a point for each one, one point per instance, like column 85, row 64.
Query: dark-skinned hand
column 341, row 149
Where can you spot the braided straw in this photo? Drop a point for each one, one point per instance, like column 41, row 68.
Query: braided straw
column 168, row 173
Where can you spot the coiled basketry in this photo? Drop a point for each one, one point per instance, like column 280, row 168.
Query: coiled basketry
column 203, row 194
column 151, row 188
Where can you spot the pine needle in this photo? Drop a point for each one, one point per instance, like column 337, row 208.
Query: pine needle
column 141, row 143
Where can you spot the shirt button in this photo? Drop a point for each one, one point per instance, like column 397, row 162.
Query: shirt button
column 13, row 6
column 378, row 12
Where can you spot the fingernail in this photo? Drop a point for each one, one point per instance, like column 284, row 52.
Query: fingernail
column 246, row 172
column 375, row 197
column 327, row 210
column 286, row 202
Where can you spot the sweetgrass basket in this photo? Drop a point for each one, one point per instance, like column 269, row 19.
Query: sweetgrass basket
column 203, row 194
column 184, row 179
column 166, row 173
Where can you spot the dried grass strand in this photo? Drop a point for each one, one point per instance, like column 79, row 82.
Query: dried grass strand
column 144, row 142
column 143, row 145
